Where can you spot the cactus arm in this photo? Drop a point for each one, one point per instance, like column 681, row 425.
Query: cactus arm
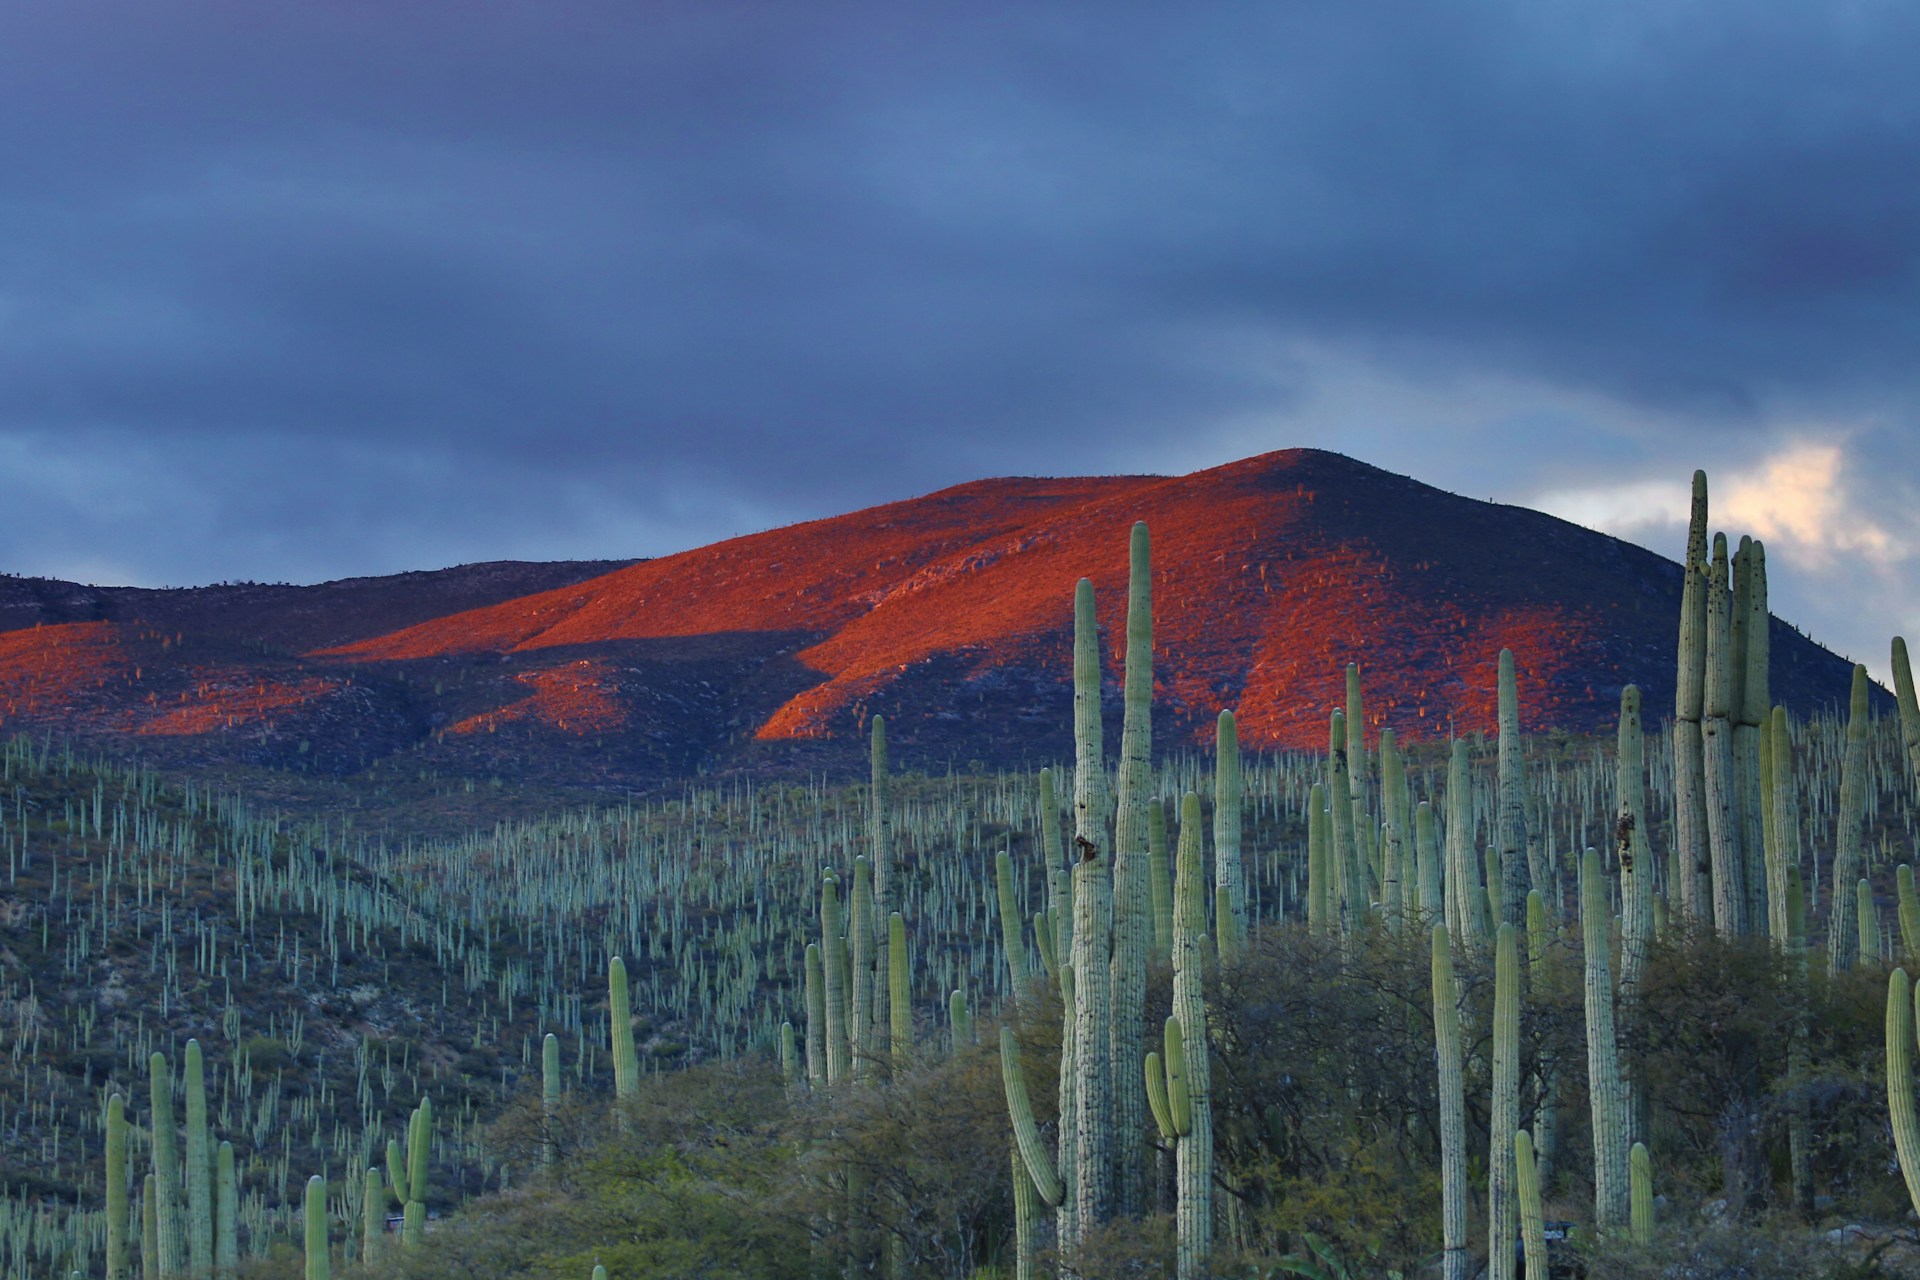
column 1640, row 1174
column 1526, row 1181
column 1026, row 1134
column 318, row 1266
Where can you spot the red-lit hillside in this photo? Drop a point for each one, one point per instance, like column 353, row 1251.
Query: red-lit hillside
column 948, row 613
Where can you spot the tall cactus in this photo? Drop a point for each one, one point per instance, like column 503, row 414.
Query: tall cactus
column 1786, row 815
column 226, row 1222
column 834, row 961
column 1900, row 1109
column 1723, row 827
column 880, row 856
column 1533, row 1233
column 626, row 1063
column 1321, row 901
column 1504, row 1113
column 373, row 1219
column 1843, row 939
column 899, row 990
column 549, row 1096
column 1350, row 895
column 1603, row 1055
column 1456, row 1260
column 1751, row 709
column 318, row 1266
column 1510, row 833
column 1092, row 1117
column 1689, row 768
column 1466, row 904
column 1640, row 1174
column 1909, row 707
column 1012, row 936
column 1426, row 843
column 199, row 1165
column 1635, row 859
column 1229, row 875
column 816, row 996
column 1396, row 892
column 860, row 968
column 1160, row 874
column 1194, row 1220
column 166, row 1169
column 1132, row 892
column 407, row 1172
column 117, row 1188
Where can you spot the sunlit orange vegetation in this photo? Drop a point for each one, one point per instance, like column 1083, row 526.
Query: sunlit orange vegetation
column 232, row 699
column 1270, row 575
column 581, row 697
column 47, row 670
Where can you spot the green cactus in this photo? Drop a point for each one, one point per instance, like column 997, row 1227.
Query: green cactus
column 1160, row 878
column 1533, row 1233
column 626, row 1063
column 407, row 1172
column 1716, row 727
column 1349, row 889
column 1396, row 894
column 1132, row 936
column 1466, row 902
column 1194, row 1156
column 1869, row 917
column 1909, row 707
column 149, row 1228
column 834, row 945
column 1786, row 815
column 1504, row 1113
column 1426, row 843
column 1012, row 940
column 1456, row 1260
column 373, row 1219
column 1026, row 1133
column 166, row 1169
column 1843, row 934
column 959, row 1020
column 1640, row 1174
column 1689, row 777
column 1900, row 1109
column 550, row 1093
column 1510, row 829
column 1229, row 873
column 1751, row 707
column 1909, row 911
column 861, row 961
column 318, row 1266
column 899, row 989
column 117, row 1188
column 199, row 1165
column 816, row 997
column 226, row 1225
column 1546, row 1119
column 1320, row 898
column 1026, row 1215
column 1603, row 1055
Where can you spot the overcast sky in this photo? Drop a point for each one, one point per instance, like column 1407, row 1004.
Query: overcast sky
column 293, row 291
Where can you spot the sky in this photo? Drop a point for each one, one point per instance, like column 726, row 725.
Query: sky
column 298, row 291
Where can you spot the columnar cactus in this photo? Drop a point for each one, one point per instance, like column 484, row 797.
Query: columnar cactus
column 1751, row 710
column 226, row 1222
column 1038, row 1164
column 1909, row 706
column 1723, row 827
column 1466, row 903
column 1426, row 843
column 199, row 1165
column 1909, row 912
column 373, row 1218
column 1350, row 896
column 834, row 961
column 166, row 1169
column 860, row 967
column 1510, row 830
column 1640, row 1174
column 1635, row 859
column 1012, row 937
column 816, row 994
column 1132, row 892
column 1603, row 1056
column 626, row 1063
column 1689, row 769
column 1396, row 893
column 1900, row 1110
column 1320, row 895
column 1194, row 1222
column 899, row 989
column 407, row 1172
column 1026, row 1214
column 1092, row 1038
column 1456, row 1260
column 1533, row 1232
column 1546, row 1118
column 1160, row 872
column 149, row 1228
column 880, row 857
column 318, row 1266
column 1869, row 917
column 117, row 1188
column 1229, row 875
column 1786, row 817
column 1843, row 939
column 1504, row 1113
column 550, row 1094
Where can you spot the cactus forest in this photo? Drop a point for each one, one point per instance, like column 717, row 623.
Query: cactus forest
column 1513, row 1002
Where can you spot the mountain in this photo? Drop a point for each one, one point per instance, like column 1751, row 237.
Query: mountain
column 949, row 613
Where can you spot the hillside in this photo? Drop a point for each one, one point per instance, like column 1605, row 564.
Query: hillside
column 948, row 613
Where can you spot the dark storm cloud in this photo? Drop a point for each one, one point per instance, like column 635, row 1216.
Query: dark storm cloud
column 345, row 287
